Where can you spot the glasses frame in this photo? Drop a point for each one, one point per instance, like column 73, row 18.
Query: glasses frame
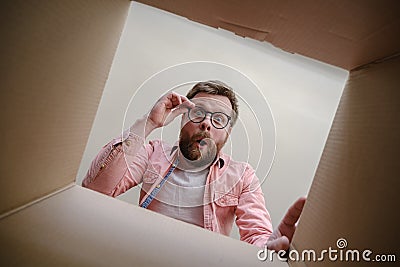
column 211, row 117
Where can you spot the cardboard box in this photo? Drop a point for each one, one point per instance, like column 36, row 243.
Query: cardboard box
column 50, row 99
column 347, row 34
column 354, row 194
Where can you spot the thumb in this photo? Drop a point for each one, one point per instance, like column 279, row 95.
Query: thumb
column 281, row 243
column 178, row 111
column 174, row 113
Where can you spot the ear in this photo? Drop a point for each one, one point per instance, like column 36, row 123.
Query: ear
column 184, row 120
column 229, row 129
column 228, row 132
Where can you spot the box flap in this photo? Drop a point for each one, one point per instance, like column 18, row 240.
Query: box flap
column 354, row 195
column 346, row 34
column 69, row 229
column 55, row 59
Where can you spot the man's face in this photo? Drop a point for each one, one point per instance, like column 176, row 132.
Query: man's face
column 201, row 142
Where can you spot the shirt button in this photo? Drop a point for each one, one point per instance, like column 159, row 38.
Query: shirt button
column 102, row 166
column 128, row 142
column 158, row 186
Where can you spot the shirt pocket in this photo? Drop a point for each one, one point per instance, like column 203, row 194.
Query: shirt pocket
column 150, row 177
column 225, row 199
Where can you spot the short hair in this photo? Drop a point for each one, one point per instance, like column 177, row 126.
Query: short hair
column 215, row 87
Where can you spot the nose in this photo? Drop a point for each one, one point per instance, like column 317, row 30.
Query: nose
column 205, row 125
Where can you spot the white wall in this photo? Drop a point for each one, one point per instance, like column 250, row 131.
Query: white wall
column 303, row 95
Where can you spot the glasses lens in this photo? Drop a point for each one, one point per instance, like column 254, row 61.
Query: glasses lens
column 220, row 120
column 197, row 114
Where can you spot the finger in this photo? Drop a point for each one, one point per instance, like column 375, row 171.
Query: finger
column 287, row 227
column 294, row 212
column 178, row 111
column 281, row 243
column 169, row 100
column 181, row 100
column 187, row 102
column 175, row 99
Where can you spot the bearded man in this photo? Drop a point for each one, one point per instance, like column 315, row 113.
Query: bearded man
column 193, row 180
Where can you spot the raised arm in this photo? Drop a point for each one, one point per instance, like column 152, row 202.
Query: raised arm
column 120, row 164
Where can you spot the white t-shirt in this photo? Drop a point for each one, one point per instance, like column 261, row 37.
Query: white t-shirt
column 182, row 196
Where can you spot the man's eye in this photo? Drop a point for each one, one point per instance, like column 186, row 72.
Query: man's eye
column 198, row 112
column 218, row 119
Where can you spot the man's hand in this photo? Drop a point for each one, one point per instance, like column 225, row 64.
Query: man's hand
column 166, row 109
column 282, row 236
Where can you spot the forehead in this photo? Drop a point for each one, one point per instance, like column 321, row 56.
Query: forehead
column 212, row 102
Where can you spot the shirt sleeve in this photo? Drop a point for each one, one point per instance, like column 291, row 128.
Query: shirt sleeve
column 253, row 219
column 119, row 165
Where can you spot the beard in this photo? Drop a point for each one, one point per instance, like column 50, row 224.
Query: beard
column 199, row 149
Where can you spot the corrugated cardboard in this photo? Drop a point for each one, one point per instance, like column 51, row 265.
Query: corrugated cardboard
column 343, row 33
column 55, row 59
column 354, row 194
column 80, row 227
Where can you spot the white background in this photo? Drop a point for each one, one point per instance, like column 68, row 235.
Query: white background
column 302, row 94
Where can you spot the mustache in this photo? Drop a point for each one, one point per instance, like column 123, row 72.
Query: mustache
column 200, row 135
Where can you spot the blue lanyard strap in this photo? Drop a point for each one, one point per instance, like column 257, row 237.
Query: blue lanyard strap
column 157, row 189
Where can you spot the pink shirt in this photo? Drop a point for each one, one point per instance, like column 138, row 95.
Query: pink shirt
column 232, row 189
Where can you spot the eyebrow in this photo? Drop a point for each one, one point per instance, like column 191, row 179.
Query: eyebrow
column 220, row 109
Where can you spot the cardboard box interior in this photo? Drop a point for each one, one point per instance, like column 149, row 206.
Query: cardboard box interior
column 354, row 194
column 79, row 227
column 347, row 34
column 50, row 99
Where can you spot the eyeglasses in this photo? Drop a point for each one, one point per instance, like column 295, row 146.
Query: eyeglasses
column 218, row 119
